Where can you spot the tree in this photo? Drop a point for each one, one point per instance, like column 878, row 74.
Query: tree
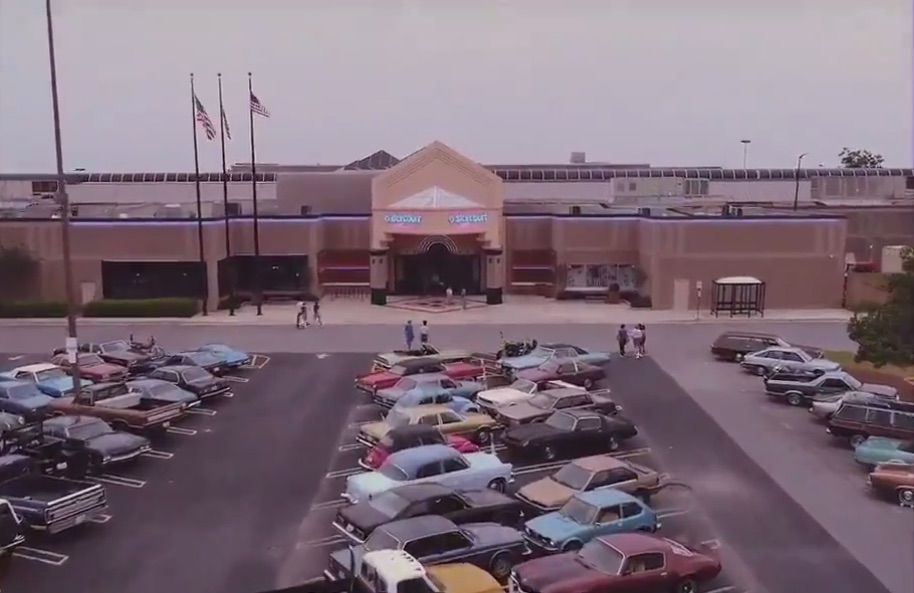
column 860, row 159
column 885, row 334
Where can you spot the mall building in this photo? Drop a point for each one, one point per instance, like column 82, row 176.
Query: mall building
column 436, row 219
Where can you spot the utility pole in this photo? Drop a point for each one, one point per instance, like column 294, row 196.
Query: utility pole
column 745, row 144
column 796, row 186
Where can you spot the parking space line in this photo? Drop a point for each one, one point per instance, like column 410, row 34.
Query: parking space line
column 45, row 556
column 361, row 424
column 235, row 379
column 120, row 481
column 17, row 357
column 229, row 394
column 258, row 361
column 201, row 411
column 100, row 518
column 712, row 543
column 188, row 432
column 726, row 589
column 155, row 454
column 325, row 541
column 351, row 447
column 344, row 473
column 328, row 504
column 666, row 513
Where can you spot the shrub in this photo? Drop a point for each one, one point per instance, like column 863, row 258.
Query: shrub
column 640, row 301
column 165, row 307
column 25, row 309
column 628, row 295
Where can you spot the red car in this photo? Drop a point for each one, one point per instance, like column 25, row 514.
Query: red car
column 407, row 437
column 564, row 369
column 92, row 367
column 620, row 563
column 372, row 382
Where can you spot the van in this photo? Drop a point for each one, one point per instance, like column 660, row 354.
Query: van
column 860, row 417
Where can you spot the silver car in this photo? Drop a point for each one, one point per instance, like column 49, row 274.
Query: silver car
column 823, row 409
column 765, row 362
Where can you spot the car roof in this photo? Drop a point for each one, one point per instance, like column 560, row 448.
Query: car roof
column 865, row 399
column 395, row 565
column 579, row 413
column 418, row 411
column 37, row 367
column 98, row 386
column 605, row 496
column 744, row 334
column 560, row 392
column 145, row 382
column 422, row 491
column 412, row 430
column 178, row 367
column 71, row 421
column 599, row 462
column 412, row 458
column 418, row 362
column 415, row 527
column 428, row 377
column 634, row 543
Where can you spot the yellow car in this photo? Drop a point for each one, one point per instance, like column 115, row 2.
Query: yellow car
column 463, row 578
column 474, row 426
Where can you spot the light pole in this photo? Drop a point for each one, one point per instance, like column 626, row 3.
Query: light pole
column 745, row 144
column 64, row 202
column 796, row 186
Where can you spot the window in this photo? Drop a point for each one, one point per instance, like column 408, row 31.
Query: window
column 851, row 413
column 429, row 469
column 644, row 563
column 909, row 183
column 589, row 424
column 233, row 209
column 304, row 210
column 426, row 400
column 774, row 355
column 621, row 474
column 695, row 187
column 448, row 384
column 791, row 356
column 448, row 542
column 609, row 514
column 454, row 464
column 835, row 384
column 632, row 185
column 443, row 398
column 567, row 368
column 905, row 421
column 909, row 419
column 579, row 400
column 429, row 419
column 631, row 509
column 44, row 187
column 446, row 504
column 421, row 548
column 879, row 417
column 449, row 417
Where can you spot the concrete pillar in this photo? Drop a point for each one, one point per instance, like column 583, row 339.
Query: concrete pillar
column 495, row 276
column 378, row 263
column 212, row 285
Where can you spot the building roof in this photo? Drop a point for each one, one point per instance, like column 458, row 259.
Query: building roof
column 377, row 161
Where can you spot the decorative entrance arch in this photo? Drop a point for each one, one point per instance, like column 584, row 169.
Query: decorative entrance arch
column 426, row 243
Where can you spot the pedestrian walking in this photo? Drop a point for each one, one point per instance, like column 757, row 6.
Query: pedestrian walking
column 463, row 297
column 637, row 337
column 301, row 314
column 448, row 295
column 317, row 313
column 409, row 334
column 643, row 339
column 622, row 338
column 423, row 332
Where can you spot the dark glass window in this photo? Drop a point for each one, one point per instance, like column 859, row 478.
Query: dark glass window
column 143, row 279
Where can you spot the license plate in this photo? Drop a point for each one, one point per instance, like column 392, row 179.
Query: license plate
column 80, row 520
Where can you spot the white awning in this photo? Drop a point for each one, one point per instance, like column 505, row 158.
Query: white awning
column 738, row 280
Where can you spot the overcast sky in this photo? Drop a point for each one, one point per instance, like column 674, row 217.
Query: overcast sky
column 666, row 82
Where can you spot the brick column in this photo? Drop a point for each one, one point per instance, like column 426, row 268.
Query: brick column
column 378, row 259
column 495, row 276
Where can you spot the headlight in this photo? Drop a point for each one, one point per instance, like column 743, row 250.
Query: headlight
column 106, row 459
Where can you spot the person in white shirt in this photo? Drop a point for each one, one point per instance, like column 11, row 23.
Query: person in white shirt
column 423, row 332
column 637, row 337
column 301, row 318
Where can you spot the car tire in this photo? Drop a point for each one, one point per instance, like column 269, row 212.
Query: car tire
column 760, row 371
column 483, row 436
column 856, row 439
column 501, row 566
column 572, row 546
column 906, row 497
column 794, row 399
column 613, row 444
column 498, row 485
column 686, row 585
column 549, row 453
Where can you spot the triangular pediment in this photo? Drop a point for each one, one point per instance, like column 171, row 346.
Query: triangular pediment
column 433, row 198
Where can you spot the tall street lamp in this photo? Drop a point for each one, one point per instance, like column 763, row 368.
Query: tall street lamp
column 64, row 202
column 745, row 144
column 796, row 186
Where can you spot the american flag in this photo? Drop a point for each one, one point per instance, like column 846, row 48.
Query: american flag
column 228, row 131
column 204, row 120
column 257, row 107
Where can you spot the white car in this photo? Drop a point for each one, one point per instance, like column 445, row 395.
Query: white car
column 770, row 359
column 438, row 464
column 521, row 390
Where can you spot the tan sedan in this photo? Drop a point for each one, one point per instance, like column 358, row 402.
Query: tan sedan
column 474, row 426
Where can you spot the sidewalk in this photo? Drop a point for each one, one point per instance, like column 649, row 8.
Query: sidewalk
column 517, row 310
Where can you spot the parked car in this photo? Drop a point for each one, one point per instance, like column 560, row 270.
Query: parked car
column 895, row 480
column 826, row 405
column 157, row 390
column 375, row 381
column 860, row 418
column 620, row 563
column 49, row 454
column 122, row 408
column 775, row 358
column 804, row 388
column 23, row 399
column 587, row 515
column 9, row 422
column 520, row 390
column 193, row 379
column 104, row 445
column 876, row 450
column 462, row 577
column 11, row 529
column 436, row 540
column 475, row 426
column 543, row 404
column 425, row 385
column 414, row 398
column 356, row 522
column 230, row 357
column 395, row 571
column 586, row 474
column 123, row 353
column 386, row 360
column 568, row 432
column 92, row 367
column 50, row 379
column 564, row 369
column 431, row 463
column 48, row 503
column 207, row 361
column 408, row 437
column 734, row 345
column 545, row 352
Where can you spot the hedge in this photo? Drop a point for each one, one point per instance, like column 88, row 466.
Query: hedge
column 640, row 302
column 166, row 307
column 26, row 309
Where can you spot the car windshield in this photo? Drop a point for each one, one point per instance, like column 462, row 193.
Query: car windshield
column 389, row 504
column 51, row 374
column 115, row 346
column 90, row 430
column 524, row 385
column 560, row 421
column 88, row 360
column 543, row 401
column 22, row 391
column 573, row 476
column 397, row 370
column 394, row 472
column 579, row 511
column 853, row 382
column 191, row 375
column 601, row 557
column 396, row 419
column 381, row 540
column 405, row 384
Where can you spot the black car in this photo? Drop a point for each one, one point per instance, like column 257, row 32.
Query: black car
column 399, row 438
column 11, row 528
column 198, row 381
column 569, row 432
column 733, row 345
column 103, row 445
column 49, row 454
column 200, row 358
column 119, row 352
column 804, row 387
column 358, row 521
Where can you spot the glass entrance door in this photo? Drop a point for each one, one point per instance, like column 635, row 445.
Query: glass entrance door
column 432, row 272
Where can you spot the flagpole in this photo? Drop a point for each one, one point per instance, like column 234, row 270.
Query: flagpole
column 229, row 266
column 203, row 280
column 257, row 288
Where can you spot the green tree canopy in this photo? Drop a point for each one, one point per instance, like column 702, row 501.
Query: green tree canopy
column 885, row 334
column 860, row 159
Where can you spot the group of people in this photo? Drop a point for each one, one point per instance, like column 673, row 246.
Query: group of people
column 301, row 316
column 409, row 333
column 636, row 335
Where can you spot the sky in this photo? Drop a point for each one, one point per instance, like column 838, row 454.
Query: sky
column 665, row 82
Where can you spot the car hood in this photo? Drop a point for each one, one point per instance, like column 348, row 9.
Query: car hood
column 391, row 393
column 564, row 568
column 526, row 432
column 879, row 389
column 555, row 527
column 522, row 411
column 493, row 534
column 375, row 378
column 35, row 402
column 546, row 493
column 58, row 386
column 364, row 517
column 536, row 375
column 363, row 486
column 487, row 498
column 502, row 396
column 524, row 362
column 881, row 443
column 117, row 443
column 375, row 430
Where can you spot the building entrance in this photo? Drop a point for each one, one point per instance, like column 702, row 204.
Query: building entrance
column 432, row 272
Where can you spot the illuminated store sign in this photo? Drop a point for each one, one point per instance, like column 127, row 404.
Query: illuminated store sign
column 469, row 219
column 403, row 218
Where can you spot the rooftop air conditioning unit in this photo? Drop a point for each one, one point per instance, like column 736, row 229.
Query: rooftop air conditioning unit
column 578, row 158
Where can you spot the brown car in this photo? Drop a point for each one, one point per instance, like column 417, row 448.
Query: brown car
column 474, row 426
column 543, row 404
column 585, row 474
column 121, row 408
column 564, row 369
column 895, row 480
column 92, row 367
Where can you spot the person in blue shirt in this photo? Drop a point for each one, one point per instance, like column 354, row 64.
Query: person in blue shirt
column 409, row 334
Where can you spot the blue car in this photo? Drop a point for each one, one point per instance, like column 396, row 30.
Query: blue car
column 49, row 378
column 417, row 397
column 230, row 357
column 588, row 515
column 876, row 450
column 23, row 399
column 545, row 352
column 431, row 384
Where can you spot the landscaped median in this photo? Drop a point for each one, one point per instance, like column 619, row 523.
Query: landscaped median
column 902, row 378
column 32, row 309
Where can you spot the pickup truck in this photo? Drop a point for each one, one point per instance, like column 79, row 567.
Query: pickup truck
column 10, row 528
column 46, row 503
column 50, row 454
column 122, row 408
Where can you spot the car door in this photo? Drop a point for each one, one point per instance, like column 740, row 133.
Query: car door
column 454, row 473
column 879, row 422
column 633, row 516
column 833, row 385
column 453, row 423
column 588, row 436
column 568, row 371
column 647, row 573
column 454, row 546
column 620, row 478
column 429, row 472
column 903, row 428
column 454, row 508
column 609, row 520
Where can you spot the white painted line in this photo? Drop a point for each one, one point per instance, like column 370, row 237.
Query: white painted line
column 102, row 518
column 201, row 411
column 329, row 504
column 325, row 541
column 665, row 513
column 322, row 356
column 258, row 361
column 351, row 447
column 345, row 473
column 158, row 454
column 235, row 379
column 120, row 481
column 188, row 432
column 17, row 357
column 726, row 589
column 228, row 394
column 52, row 558
column 712, row 543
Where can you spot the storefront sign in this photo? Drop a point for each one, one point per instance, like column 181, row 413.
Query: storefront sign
column 469, row 219
column 403, row 218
